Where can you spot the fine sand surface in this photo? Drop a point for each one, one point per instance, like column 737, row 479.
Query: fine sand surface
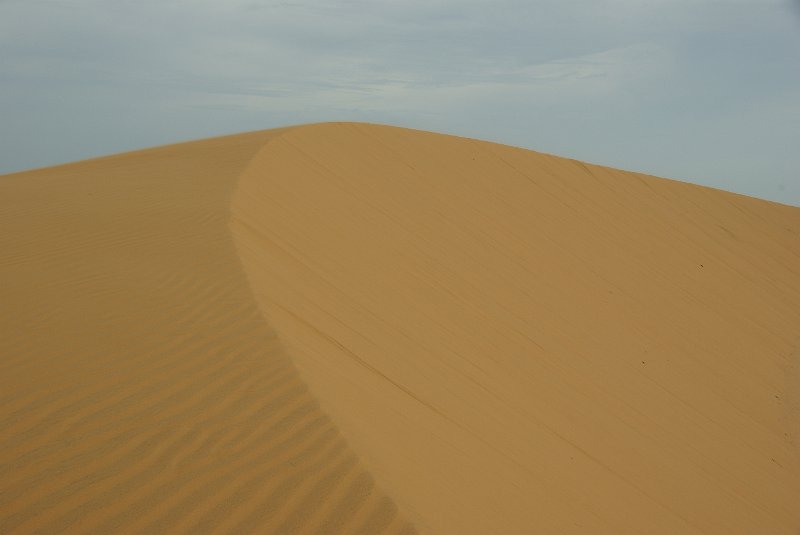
column 350, row 328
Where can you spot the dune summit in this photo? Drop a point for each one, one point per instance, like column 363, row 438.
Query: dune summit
column 351, row 328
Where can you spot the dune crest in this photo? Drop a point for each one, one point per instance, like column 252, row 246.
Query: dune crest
column 352, row 328
column 515, row 342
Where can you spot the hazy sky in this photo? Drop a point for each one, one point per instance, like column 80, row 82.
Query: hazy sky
column 700, row 90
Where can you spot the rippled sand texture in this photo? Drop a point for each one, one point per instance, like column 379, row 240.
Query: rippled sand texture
column 141, row 389
column 349, row 328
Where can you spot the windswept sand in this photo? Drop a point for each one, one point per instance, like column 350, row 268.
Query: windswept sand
column 349, row 328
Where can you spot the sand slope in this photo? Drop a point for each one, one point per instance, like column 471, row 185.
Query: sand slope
column 141, row 389
column 355, row 328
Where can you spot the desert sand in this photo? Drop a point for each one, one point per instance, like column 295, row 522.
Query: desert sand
column 352, row 328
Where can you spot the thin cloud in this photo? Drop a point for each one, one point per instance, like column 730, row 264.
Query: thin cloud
column 623, row 82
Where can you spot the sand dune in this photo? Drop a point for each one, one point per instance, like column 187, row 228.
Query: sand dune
column 349, row 328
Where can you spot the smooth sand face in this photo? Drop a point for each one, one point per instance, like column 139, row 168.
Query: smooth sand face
column 362, row 329
column 518, row 343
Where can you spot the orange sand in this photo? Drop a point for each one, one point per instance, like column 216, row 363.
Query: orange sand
column 349, row 328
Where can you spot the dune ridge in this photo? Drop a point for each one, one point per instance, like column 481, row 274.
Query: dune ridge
column 515, row 341
column 353, row 328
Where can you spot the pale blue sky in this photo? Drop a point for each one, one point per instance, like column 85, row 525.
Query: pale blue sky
column 706, row 91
